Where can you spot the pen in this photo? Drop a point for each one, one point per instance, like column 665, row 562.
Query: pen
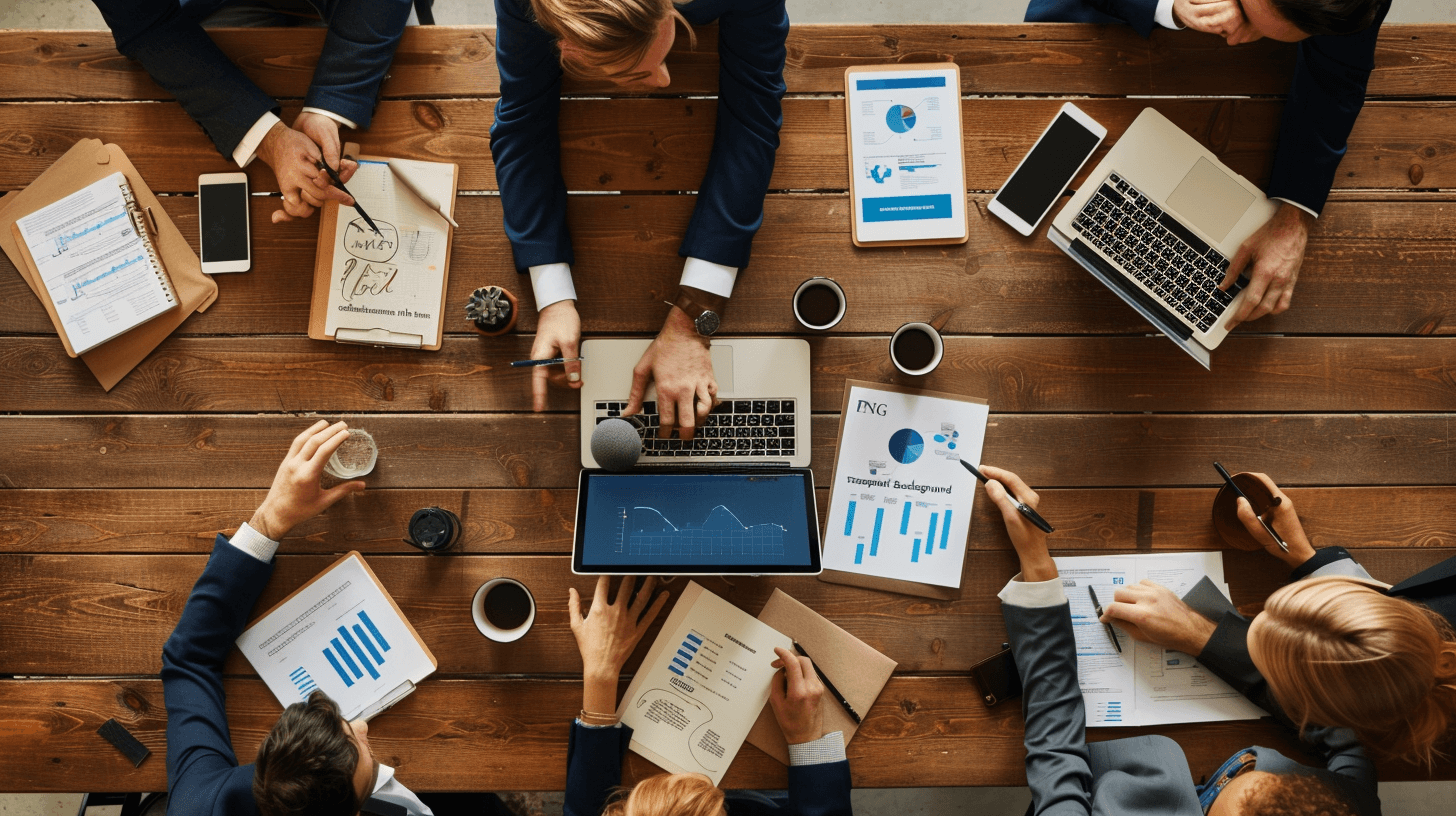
column 409, row 184
column 1097, row 605
column 1237, row 492
column 848, row 709
column 552, row 361
column 338, row 182
column 1024, row 508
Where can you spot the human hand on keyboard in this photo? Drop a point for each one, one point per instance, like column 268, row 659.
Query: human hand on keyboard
column 1271, row 259
column 679, row 361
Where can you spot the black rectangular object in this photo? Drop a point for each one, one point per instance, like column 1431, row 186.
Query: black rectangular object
column 122, row 739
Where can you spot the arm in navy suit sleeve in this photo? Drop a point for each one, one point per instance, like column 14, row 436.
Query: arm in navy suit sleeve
column 358, row 49
column 593, row 767
column 200, row 759
column 1136, row 13
column 1325, row 98
column 820, row 790
column 525, row 141
column 751, row 53
column 1057, row 768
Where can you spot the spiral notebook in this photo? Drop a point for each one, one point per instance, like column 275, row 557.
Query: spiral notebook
column 97, row 263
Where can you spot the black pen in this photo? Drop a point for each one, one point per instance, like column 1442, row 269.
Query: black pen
column 1237, row 492
column 848, row 709
column 1024, row 508
column 1097, row 605
column 338, row 182
column 551, row 361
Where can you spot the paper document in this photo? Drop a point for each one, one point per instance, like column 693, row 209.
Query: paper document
column 701, row 686
column 1144, row 684
column 340, row 633
column 901, row 501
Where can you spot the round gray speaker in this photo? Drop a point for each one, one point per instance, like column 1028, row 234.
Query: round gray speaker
column 616, row 444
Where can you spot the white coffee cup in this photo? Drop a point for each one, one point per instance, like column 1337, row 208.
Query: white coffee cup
column 937, row 345
column 489, row 629
column 829, row 285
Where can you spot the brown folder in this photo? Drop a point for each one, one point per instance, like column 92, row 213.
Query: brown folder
column 853, row 666
column 87, row 162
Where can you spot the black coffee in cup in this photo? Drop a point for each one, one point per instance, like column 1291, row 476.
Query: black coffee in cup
column 818, row 304
column 914, row 348
column 507, row 606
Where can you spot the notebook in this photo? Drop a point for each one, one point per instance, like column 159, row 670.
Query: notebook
column 97, row 263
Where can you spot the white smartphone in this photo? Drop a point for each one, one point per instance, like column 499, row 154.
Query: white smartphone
column 222, row 222
column 1043, row 175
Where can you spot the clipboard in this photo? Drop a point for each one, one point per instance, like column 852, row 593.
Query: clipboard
column 904, row 587
column 856, row 174
column 323, row 281
column 87, row 162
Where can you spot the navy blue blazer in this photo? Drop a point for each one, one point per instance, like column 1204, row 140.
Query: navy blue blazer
column 1325, row 96
column 594, row 769
column 526, row 143
column 166, row 37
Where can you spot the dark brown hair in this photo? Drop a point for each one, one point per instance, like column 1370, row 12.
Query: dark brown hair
column 1294, row 794
column 1336, row 17
column 306, row 763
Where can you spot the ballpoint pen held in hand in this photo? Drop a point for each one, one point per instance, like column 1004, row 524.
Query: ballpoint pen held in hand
column 843, row 702
column 338, row 182
column 1237, row 492
column 1097, row 607
column 1021, row 506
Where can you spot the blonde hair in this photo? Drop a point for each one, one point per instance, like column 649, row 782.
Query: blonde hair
column 611, row 32
column 668, row 795
column 1337, row 651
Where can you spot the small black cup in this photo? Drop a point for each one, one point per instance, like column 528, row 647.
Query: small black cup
column 434, row 530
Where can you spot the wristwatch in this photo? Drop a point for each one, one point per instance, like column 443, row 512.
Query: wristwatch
column 705, row 308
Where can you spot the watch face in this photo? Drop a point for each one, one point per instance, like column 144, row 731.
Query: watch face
column 707, row 323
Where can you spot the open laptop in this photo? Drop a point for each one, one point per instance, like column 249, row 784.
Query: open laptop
column 763, row 419
column 1158, row 221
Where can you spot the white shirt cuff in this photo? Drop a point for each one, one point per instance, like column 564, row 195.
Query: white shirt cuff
column 589, row 725
column 247, row 149
column 552, row 284
column 334, row 116
column 826, row 749
column 710, row 277
column 254, row 543
column 1164, row 17
column 1297, row 204
column 1033, row 594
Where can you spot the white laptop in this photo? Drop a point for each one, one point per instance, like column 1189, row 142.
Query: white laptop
column 763, row 384
column 1158, row 221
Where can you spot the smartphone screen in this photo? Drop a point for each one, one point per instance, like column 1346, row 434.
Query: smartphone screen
column 1047, row 170
column 223, row 211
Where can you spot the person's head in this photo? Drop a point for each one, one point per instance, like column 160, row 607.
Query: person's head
column 1339, row 652
column 623, row 41
column 669, row 795
column 1242, row 21
column 314, row 762
column 1260, row 793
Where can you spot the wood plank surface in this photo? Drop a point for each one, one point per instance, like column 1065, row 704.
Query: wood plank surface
column 1393, row 253
column 502, row 450
column 612, row 145
column 457, row 61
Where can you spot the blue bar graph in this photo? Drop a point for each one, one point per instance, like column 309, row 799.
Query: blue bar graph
column 875, row 540
column 343, row 675
column 675, row 670
column 303, row 681
column 366, row 647
column 930, row 536
column 849, row 519
column 695, row 640
column 359, row 653
column 369, row 624
column 905, row 520
column 859, row 552
column 945, row 531
column 368, row 644
column 915, row 552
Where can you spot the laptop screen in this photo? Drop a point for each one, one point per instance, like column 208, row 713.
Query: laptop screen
column 705, row 522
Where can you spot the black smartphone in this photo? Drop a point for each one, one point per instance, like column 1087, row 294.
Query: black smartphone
column 996, row 677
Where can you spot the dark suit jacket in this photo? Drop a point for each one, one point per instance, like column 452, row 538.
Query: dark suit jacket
column 1325, row 96
column 166, row 37
column 526, row 144
column 1136, row 776
column 594, row 768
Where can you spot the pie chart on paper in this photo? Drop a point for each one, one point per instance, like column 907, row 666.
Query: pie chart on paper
column 906, row 446
column 900, row 118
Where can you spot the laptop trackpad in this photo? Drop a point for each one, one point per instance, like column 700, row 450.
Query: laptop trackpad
column 723, row 369
column 1209, row 199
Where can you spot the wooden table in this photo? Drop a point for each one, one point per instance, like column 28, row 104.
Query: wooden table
column 114, row 498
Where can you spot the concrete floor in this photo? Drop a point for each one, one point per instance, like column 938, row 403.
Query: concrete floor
column 1403, row 798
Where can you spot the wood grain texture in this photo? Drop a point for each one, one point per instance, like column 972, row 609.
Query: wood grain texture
column 1395, row 253
column 541, row 451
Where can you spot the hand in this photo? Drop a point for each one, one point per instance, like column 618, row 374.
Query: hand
column 1151, row 613
column 1284, row 520
column 1029, row 541
column 294, row 158
column 609, row 632
column 795, row 695
column 296, row 496
column 1225, row 18
column 558, row 330
column 681, row 364
column 1276, row 252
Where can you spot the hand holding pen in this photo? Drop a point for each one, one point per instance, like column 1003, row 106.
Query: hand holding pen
column 1021, row 507
column 1280, row 514
column 1028, row 538
column 794, row 695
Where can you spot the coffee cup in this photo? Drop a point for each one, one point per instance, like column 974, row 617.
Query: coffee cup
column 503, row 609
column 916, row 348
column 433, row 529
column 355, row 457
column 819, row 304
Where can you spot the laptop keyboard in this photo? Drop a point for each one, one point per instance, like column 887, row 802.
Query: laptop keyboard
column 736, row 428
column 1151, row 247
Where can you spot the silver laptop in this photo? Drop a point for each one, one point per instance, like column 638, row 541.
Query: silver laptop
column 763, row 419
column 1158, row 221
